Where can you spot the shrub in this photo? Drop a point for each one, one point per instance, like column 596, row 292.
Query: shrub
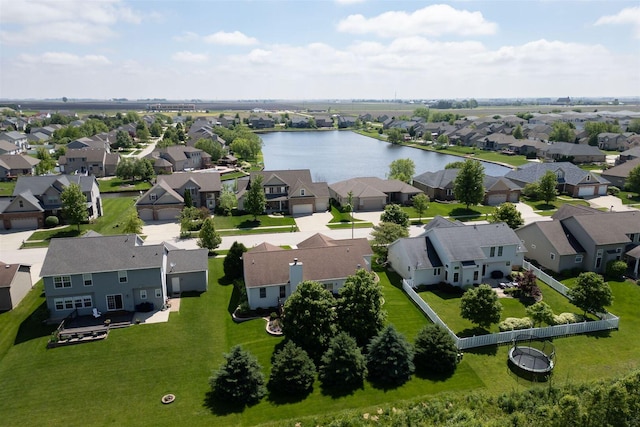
column 616, row 269
column 531, row 191
column 565, row 318
column 613, row 190
column 515, row 323
column 450, row 289
column 51, row 221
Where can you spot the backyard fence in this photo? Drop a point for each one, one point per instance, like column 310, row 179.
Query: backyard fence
column 607, row 321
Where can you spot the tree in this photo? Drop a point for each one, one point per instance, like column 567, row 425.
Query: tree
column 394, row 213
column 547, row 187
column 390, row 358
column 394, row 136
column 540, row 312
column 74, row 205
column 443, row 140
column 454, row 165
column 209, row 146
column 132, row 224
column 359, row 307
column 126, row 169
column 402, row 169
column 309, row 318
column 527, row 282
column 156, row 129
column 292, row 371
column 420, row 204
column 468, row 185
column 422, row 112
column 517, row 132
column 255, row 199
column 232, row 264
column 531, row 191
column 208, row 237
column 633, row 181
column 143, row 169
column 188, row 200
column 239, row 379
column 143, row 134
column 634, row 126
column 227, row 201
column 47, row 163
column 343, row 364
column 616, row 269
column 386, row 233
column 562, row 131
column 123, row 140
column 481, row 306
column 508, row 214
column 435, row 351
column 64, row 99
column 591, row 293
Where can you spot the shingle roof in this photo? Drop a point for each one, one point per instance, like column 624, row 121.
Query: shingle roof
column 419, row 251
column 532, row 172
column 608, row 228
column 39, row 184
column 569, row 149
column 623, row 169
column 558, row 237
column 209, row 181
column 372, row 187
column 7, row 273
column 17, row 161
column 440, row 221
column 186, row 261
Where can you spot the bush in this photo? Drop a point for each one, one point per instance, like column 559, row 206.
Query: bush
column 515, row 323
column 613, row 190
column 616, row 269
column 566, row 318
column 531, row 191
column 450, row 289
column 51, row 221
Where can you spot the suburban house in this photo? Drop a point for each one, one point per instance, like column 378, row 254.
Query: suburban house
column 324, row 121
column 15, row 283
column 272, row 273
column 36, row 197
column 572, row 180
column 439, row 186
column 165, row 199
column 575, row 153
column 631, row 153
column 289, row 191
column 114, row 273
column 94, row 142
column 261, row 122
column 18, row 139
column 92, row 161
column 346, row 122
column 613, row 141
column 372, row 193
column 299, row 122
column 583, row 238
column 181, row 158
column 7, row 147
column 455, row 253
column 14, row 165
column 618, row 175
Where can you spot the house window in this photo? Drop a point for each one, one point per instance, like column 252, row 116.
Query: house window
column 436, row 271
column 618, row 250
column 449, row 192
column 578, row 259
column 499, row 250
column 21, row 203
column 446, row 275
column 153, row 197
column 263, row 292
column 122, row 276
column 329, row 287
column 87, row 278
column 143, row 294
column 302, row 192
column 69, row 303
column 552, row 255
column 475, row 275
column 283, row 291
column 456, row 276
column 62, row 282
column 87, row 301
column 492, row 251
column 158, row 293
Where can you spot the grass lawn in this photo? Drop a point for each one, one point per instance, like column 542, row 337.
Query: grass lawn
column 491, row 156
column 247, row 221
column 341, row 217
column 629, row 198
column 114, row 185
column 541, row 205
column 115, row 211
column 451, row 209
column 6, row 188
column 232, row 175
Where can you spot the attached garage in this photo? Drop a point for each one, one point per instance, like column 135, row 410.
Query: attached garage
column 496, row 199
column 145, row 214
column 587, row 191
column 168, row 214
column 514, row 197
column 302, row 209
column 371, row 204
column 602, row 191
column 24, row 223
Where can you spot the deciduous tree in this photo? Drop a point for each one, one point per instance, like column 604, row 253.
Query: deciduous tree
column 239, row 379
column 47, row 163
column 209, row 146
column 562, row 131
column 435, row 351
column 508, row 214
column 402, row 169
column 591, row 293
column 395, row 214
column 468, row 185
column 132, row 224
column 633, row 181
column 390, row 358
column 255, row 199
column 386, row 233
column 420, row 204
column 394, row 136
column 547, row 187
column 74, row 205
column 227, row 201
column 209, row 238
column 481, row 306
column 540, row 313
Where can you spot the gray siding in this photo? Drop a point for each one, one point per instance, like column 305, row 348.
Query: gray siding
column 194, row 281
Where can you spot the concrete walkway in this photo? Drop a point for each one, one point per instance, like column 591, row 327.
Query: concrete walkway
column 609, row 202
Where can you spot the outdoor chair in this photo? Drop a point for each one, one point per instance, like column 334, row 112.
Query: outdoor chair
column 96, row 313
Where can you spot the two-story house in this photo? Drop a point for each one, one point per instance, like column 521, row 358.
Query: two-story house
column 91, row 161
column 572, row 180
column 182, row 158
column 455, row 253
column 18, row 139
column 114, row 273
column 14, row 165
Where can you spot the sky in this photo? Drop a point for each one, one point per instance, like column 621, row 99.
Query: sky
column 319, row 49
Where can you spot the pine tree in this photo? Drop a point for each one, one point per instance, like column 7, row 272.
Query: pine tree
column 390, row 358
column 343, row 365
column 232, row 264
column 239, row 379
column 208, row 237
column 292, row 371
column 435, row 351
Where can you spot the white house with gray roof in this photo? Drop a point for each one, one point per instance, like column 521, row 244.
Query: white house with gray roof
column 455, row 253
column 115, row 273
column 572, row 180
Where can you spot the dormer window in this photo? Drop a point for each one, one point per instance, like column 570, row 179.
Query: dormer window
column 588, row 177
column 302, row 192
column 21, row 203
column 153, row 197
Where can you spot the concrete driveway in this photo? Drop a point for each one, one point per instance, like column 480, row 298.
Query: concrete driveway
column 609, row 202
column 10, row 252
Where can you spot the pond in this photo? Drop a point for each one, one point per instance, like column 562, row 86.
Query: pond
column 334, row 156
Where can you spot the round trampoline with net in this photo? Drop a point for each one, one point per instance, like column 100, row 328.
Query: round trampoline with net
column 529, row 355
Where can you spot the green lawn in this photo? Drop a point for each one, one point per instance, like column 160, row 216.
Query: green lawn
column 247, row 221
column 541, row 205
column 491, row 156
column 344, row 225
column 341, row 217
column 116, row 184
column 115, row 211
column 232, row 175
column 451, row 209
column 6, row 188
column 629, row 198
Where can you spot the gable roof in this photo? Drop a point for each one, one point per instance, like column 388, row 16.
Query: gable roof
column 532, row 172
column 418, row 251
column 17, row 161
column 440, row 221
column 8, row 272
column 38, row 185
column 623, row 169
column 206, row 181
column 567, row 210
column 558, row 237
column 609, row 227
column 569, row 149
column 372, row 187
column 186, row 261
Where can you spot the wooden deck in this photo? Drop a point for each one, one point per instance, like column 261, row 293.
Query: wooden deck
column 83, row 329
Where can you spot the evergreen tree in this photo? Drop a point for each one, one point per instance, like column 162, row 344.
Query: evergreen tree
column 517, row 132
column 255, row 199
column 435, row 351
column 359, row 308
column 239, row 379
column 468, row 185
column 208, row 237
column 74, row 205
column 394, row 213
column 547, row 187
column 188, row 201
column 292, row 371
column 481, row 306
column 343, row 365
column 232, row 264
column 390, row 358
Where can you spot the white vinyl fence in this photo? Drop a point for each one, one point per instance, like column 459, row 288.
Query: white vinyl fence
column 608, row 321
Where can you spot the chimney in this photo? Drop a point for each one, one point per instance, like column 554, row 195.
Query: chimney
column 295, row 274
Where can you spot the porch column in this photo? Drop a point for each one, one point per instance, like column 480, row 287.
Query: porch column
column 635, row 270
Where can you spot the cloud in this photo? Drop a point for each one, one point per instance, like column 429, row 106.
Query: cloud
column 185, row 56
column 63, row 59
column 630, row 15
column 434, row 20
column 73, row 21
column 186, row 36
column 235, row 38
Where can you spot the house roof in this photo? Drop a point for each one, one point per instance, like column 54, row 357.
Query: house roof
column 440, row 221
column 631, row 152
column 622, row 170
column 17, row 161
column 419, row 252
column 437, row 179
column 90, row 154
column 609, row 227
column 186, row 261
column 39, row 184
column 271, row 267
column 372, row 187
column 532, row 172
column 558, row 237
column 567, row 210
column 569, row 149
column 100, row 254
column 207, row 182
column 7, row 273
column 6, row 146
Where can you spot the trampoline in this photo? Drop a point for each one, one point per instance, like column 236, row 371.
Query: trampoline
column 531, row 356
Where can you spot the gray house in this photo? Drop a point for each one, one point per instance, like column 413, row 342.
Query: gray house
column 372, row 193
column 572, row 180
column 115, row 273
column 15, row 283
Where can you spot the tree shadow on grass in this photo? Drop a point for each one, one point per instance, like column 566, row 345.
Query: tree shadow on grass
column 234, row 301
column 249, row 223
column 385, row 385
column 278, row 398
column 220, row 407
column 336, row 392
column 34, row 327
column 464, row 212
column 599, row 334
column 472, row 332
column 425, row 374
column 543, row 206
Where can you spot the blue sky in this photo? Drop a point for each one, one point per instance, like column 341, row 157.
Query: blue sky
column 310, row 49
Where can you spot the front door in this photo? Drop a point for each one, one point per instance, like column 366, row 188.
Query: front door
column 175, row 285
column 114, row 302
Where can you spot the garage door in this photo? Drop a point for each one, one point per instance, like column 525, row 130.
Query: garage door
column 586, row 191
column 496, row 199
column 168, row 214
column 370, row 204
column 24, row 223
column 302, row 209
column 602, row 191
column 513, row 197
column 146, row 214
